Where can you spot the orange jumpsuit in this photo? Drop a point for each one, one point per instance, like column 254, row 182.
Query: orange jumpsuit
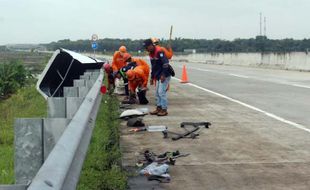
column 118, row 61
column 141, row 62
column 140, row 80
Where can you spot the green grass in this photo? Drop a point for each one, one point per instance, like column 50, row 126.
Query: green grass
column 101, row 169
column 27, row 102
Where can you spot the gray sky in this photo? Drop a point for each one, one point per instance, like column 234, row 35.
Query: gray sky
column 42, row 21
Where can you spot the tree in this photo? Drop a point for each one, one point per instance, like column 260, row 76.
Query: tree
column 13, row 75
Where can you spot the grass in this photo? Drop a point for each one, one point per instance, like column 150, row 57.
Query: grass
column 33, row 61
column 27, row 102
column 101, row 169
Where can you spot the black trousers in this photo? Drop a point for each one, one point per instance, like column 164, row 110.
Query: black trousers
column 142, row 97
column 126, row 86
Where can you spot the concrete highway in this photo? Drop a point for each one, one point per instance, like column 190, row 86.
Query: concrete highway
column 284, row 94
column 259, row 137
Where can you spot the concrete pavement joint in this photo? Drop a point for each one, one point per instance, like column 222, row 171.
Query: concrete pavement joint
column 249, row 106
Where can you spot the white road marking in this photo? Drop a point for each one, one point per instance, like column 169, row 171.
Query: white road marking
column 198, row 69
column 301, row 86
column 251, row 107
column 240, row 76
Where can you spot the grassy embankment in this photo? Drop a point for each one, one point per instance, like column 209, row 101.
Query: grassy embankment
column 101, row 168
column 25, row 103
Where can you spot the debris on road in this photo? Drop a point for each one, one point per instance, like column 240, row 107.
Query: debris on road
column 127, row 114
column 159, row 128
column 156, row 171
column 135, row 122
column 189, row 133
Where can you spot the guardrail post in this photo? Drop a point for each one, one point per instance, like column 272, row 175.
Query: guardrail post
column 72, row 105
column 52, row 131
column 79, row 82
column 71, row 91
column 56, row 107
column 83, row 91
column 28, row 148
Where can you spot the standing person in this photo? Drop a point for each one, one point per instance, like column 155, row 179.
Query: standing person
column 161, row 73
column 119, row 62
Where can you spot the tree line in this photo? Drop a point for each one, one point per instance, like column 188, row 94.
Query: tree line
column 258, row 44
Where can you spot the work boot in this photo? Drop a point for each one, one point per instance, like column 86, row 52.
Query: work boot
column 125, row 100
column 162, row 112
column 132, row 101
column 155, row 112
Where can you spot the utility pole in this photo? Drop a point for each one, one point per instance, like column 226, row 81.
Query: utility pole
column 260, row 23
column 265, row 26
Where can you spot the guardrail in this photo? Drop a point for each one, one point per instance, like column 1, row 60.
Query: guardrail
column 49, row 152
column 62, row 168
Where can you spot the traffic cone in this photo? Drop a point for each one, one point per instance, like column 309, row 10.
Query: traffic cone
column 184, row 75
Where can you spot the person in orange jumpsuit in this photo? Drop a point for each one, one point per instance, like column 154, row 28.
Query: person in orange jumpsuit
column 109, row 74
column 118, row 62
column 135, row 62
column 138, row 78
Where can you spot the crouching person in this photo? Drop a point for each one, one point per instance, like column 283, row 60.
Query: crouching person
column 138, row 78
column 109, row 74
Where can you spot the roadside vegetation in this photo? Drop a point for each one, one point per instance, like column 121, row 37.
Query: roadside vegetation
column 101, row 169
column 13, row 76
column 18, row 98
column 27, row 102
column 18, row 69
column 255, row 44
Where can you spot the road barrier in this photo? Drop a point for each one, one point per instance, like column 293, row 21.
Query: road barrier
column 61, row 169
column 49, row 152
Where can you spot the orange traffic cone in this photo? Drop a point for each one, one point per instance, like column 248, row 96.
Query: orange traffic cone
column 184, row 75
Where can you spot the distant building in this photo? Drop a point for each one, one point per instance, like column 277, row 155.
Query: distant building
column 26, row 47
column 190, row 50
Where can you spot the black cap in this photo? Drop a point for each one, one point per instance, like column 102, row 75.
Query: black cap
column 147, row 42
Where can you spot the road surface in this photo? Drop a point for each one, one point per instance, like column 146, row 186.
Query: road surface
column 259, row 138
column 285, row 94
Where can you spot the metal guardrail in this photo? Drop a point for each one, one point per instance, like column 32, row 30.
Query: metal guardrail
column 61, row 170
column 49, row 152
column 13, row 187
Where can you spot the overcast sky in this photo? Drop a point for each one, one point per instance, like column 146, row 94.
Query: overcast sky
column 43, row 21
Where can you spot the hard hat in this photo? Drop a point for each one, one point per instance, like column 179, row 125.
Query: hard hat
column 130, row 74
column 106, row 67
column 139, row 72
column 123, row 49
column 155, row 41
column 126, row 56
